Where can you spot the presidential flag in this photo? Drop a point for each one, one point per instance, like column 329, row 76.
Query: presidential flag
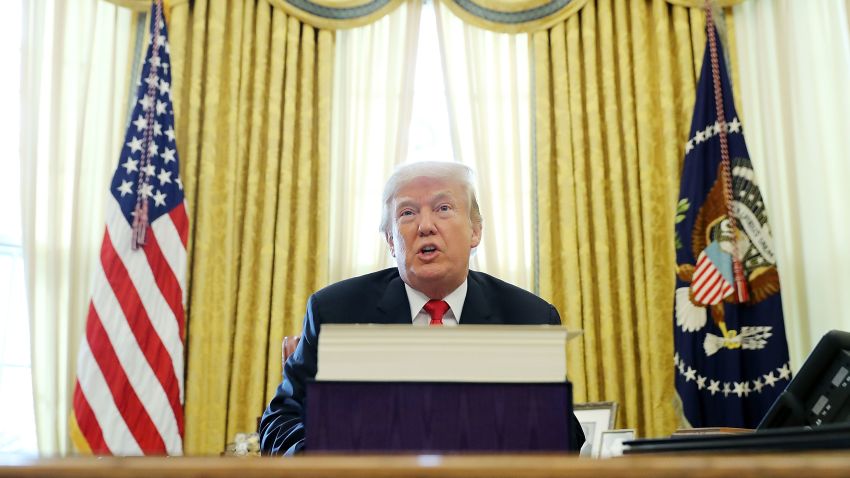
column 731, row 354
column 128, row 397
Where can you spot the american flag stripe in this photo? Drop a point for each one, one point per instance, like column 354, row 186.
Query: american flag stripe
column 712, row 283
column 722, row 289
column 181, row 224
column 131, row 408
column 134, row 314
column 142, row 285
column 172, row 235
column 167, row 282
column 130, row 373
column 704, row 265
column 153, row 379
column 708, row 278
column 95, row 390
column 171, row 246
column 711, row 294
column 709, row 289
column 709, row 286
column 700, row 273
column 87, row 421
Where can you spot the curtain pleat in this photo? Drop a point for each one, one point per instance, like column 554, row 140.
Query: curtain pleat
column 795, row 68
column 75, row 79
column 488, row 96
column 372, row 106
column 253, row 114
column 615, row 88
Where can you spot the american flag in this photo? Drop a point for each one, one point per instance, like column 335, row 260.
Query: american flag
column 128, row 397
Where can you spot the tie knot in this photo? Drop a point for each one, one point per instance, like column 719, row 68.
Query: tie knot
column 436, row 309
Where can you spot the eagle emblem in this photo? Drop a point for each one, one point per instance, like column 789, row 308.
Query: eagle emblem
column 714, row 243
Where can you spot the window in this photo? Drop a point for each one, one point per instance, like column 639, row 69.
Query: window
column 17, row 419
column 484, row 123
column 429, row 137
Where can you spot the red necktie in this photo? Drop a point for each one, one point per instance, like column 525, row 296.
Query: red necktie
column 436, row 309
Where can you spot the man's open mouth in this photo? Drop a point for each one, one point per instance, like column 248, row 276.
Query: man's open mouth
column 428, row 251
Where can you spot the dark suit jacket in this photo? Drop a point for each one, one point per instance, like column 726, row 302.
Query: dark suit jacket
column 380, row 298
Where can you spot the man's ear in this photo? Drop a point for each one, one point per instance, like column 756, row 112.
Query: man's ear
column 476, row 235
column 389, row 238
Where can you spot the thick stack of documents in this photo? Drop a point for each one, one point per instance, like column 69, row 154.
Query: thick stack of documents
column 466, row 353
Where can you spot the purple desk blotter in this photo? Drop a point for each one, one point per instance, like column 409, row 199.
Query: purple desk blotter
column 438, row 417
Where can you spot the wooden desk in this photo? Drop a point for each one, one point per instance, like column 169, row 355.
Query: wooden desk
column 458, row 466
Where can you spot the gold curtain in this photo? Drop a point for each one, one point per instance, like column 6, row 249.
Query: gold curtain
column 251, row 98
column 252, row 90
column 615, row 89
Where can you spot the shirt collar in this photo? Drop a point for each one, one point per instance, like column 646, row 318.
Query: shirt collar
column 455, row 300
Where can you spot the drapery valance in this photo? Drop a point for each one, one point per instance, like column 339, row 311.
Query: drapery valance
column 337, row 14
column 509, row 16
column 504, row 16
column 325, row 14
column 701, row 3
column 514, row 16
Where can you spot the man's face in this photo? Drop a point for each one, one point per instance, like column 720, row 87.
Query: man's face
column 432, row 235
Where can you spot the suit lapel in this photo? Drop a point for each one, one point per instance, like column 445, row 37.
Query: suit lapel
column 476, row 307
column 394, row 307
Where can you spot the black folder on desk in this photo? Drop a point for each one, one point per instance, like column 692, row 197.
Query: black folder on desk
column 825, row 437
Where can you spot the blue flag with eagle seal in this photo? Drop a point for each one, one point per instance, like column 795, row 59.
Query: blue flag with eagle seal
column 731, row 355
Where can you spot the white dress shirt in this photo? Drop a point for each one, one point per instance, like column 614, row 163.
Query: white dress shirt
column 417, row 300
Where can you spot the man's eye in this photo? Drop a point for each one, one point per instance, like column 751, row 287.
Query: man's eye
column 444, row 207
column 406, row 212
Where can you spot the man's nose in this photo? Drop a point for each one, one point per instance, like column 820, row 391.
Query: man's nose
column 426, row 224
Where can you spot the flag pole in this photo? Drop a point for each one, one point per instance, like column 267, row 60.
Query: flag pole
column 725, row 164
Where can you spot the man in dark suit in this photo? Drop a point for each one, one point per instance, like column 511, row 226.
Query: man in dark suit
column 431, row 222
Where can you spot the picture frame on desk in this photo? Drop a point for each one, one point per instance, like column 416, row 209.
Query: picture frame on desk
column 612, row 442
column 595, row 418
